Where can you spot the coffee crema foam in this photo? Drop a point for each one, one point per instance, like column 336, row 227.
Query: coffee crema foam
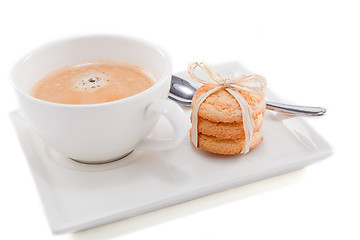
column 92, row 82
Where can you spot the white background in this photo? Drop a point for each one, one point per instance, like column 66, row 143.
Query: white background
column 308, row 50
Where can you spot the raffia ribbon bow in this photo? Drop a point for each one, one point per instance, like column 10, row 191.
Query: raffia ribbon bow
column 248, row 82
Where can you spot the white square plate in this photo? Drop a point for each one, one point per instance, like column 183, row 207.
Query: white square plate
column 78, row 196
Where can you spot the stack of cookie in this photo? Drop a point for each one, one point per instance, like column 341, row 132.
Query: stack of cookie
column 220, row 123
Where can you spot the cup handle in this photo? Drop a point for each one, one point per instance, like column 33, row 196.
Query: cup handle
column 179, row 121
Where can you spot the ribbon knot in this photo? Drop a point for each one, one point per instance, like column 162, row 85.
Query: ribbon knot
column 248, row 82
column 227, row 83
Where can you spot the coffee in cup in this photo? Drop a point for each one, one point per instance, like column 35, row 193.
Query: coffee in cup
column 91, row 82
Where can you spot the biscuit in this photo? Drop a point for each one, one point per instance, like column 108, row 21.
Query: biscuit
column 227, row 130
column 221, row 106
column 227, row 146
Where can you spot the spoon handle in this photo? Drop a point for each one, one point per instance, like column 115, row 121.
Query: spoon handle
column 294, row 109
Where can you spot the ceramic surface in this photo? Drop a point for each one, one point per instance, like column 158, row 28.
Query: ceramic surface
column 77, row 196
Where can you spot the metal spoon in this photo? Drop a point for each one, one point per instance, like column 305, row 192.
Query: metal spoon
column 182, row 91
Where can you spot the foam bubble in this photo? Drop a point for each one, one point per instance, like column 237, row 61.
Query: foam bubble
column 90, row 83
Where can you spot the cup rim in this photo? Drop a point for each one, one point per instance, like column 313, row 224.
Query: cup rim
column 161, row 79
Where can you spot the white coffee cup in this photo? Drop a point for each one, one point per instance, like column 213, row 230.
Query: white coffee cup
column 98, row 133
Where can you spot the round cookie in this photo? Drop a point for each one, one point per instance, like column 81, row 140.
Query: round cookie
column 227, row 130
column 221, row 106
column 227, row 146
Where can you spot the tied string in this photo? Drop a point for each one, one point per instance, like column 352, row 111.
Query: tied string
column 248, row 82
